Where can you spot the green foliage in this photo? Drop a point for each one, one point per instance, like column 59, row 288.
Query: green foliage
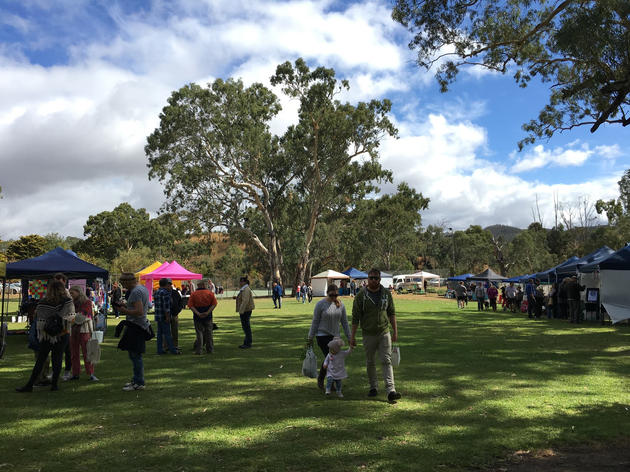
column 125, row 228
column 231, row 265
column 391, row 246
column 580, row 47
column 220, row 163
column 473, row 249
column 530, row 252
column 616, row 209
column 26, row 247
column 132, row 260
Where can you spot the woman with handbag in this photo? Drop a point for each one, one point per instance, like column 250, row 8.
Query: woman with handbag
column 82, row 328
column 328, row 314
column 53, row 313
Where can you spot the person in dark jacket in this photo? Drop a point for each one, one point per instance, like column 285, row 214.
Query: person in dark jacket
column 116, row 295
column 176, row 308
column 562, row 299
column 573, row 297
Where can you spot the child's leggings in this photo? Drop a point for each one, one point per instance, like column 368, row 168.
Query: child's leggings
column 329, row 382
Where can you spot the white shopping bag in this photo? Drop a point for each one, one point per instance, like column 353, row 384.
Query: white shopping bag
column 395, row 355
column 93, row 351
column 309, row 366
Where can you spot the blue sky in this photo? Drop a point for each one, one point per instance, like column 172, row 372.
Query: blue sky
column 83, row 82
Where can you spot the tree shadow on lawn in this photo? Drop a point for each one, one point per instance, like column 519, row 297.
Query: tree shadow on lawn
column 239, row 409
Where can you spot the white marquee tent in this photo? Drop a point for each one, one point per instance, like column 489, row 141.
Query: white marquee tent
column 321, row 281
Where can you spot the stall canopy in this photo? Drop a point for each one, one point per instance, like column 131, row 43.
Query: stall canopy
column 425, row 275
column 520, row 279
column 459, row 278
column 387, row 280
column 57, row 260
column 549, row 275
column 488, row 275
column 619, row 260
column 594, row 257
column 169, row 270
column 355, row 273
column 150, row 268
column 614, row 280
column 320, row 282
column 172, row 271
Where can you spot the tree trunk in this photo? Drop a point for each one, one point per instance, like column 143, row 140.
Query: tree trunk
column 300, row 269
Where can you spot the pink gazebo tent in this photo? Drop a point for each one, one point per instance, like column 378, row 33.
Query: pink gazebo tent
column 172, row 271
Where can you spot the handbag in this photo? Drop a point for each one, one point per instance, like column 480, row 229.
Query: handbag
column 395, row 355
column 53, row 325
column 309, row 365
column 149, row 333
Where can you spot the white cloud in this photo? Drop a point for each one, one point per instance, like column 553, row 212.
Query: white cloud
column 443, row 160
column 72, row 135
column 540, row 157
column 609, row 151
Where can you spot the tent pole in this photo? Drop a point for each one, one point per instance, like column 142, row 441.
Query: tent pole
column 4, row 290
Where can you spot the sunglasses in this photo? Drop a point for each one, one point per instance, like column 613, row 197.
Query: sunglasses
column 374, row 278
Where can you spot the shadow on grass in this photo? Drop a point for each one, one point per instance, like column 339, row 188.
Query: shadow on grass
column 475, row 385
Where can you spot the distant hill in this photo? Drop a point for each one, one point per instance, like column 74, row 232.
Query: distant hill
column 506, row 232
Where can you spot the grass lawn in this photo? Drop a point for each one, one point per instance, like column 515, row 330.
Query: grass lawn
column 475, row 386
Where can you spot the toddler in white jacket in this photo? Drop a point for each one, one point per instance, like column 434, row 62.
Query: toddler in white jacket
column 335, row 363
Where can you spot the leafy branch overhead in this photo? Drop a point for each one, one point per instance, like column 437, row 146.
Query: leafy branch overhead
column 580, row 47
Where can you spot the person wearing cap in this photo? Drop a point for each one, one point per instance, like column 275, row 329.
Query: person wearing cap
column 373, row 309
column 163, row 317
column 136, row 327
column 202, row 302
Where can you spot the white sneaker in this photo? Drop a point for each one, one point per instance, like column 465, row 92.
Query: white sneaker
column 129, row 388
column 66, row 376
column 93, row 378
column 340, row 395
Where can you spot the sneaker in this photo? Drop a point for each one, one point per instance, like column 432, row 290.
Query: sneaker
column 340, row 395
column 130, row 387
column 327, row 392
column 93, row 378
column 244, row 346
column 43, row 383
column 373, row 392
column 66, row 376
column 74, row 377
column 393, row 396
column 24, row 389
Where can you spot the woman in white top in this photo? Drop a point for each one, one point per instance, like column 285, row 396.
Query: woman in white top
column 329, row 313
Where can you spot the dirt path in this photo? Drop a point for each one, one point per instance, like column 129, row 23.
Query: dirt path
column 607, row 457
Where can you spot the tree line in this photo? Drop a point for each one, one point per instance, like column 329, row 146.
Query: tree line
column 384, row 232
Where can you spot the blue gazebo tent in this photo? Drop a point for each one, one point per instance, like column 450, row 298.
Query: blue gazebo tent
column 619, row 260
column 549, row 274
column 355, row 273
column 488, row 275
column 57, row 260
column 458, row 278
column 572, row 269
column 614, row 280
